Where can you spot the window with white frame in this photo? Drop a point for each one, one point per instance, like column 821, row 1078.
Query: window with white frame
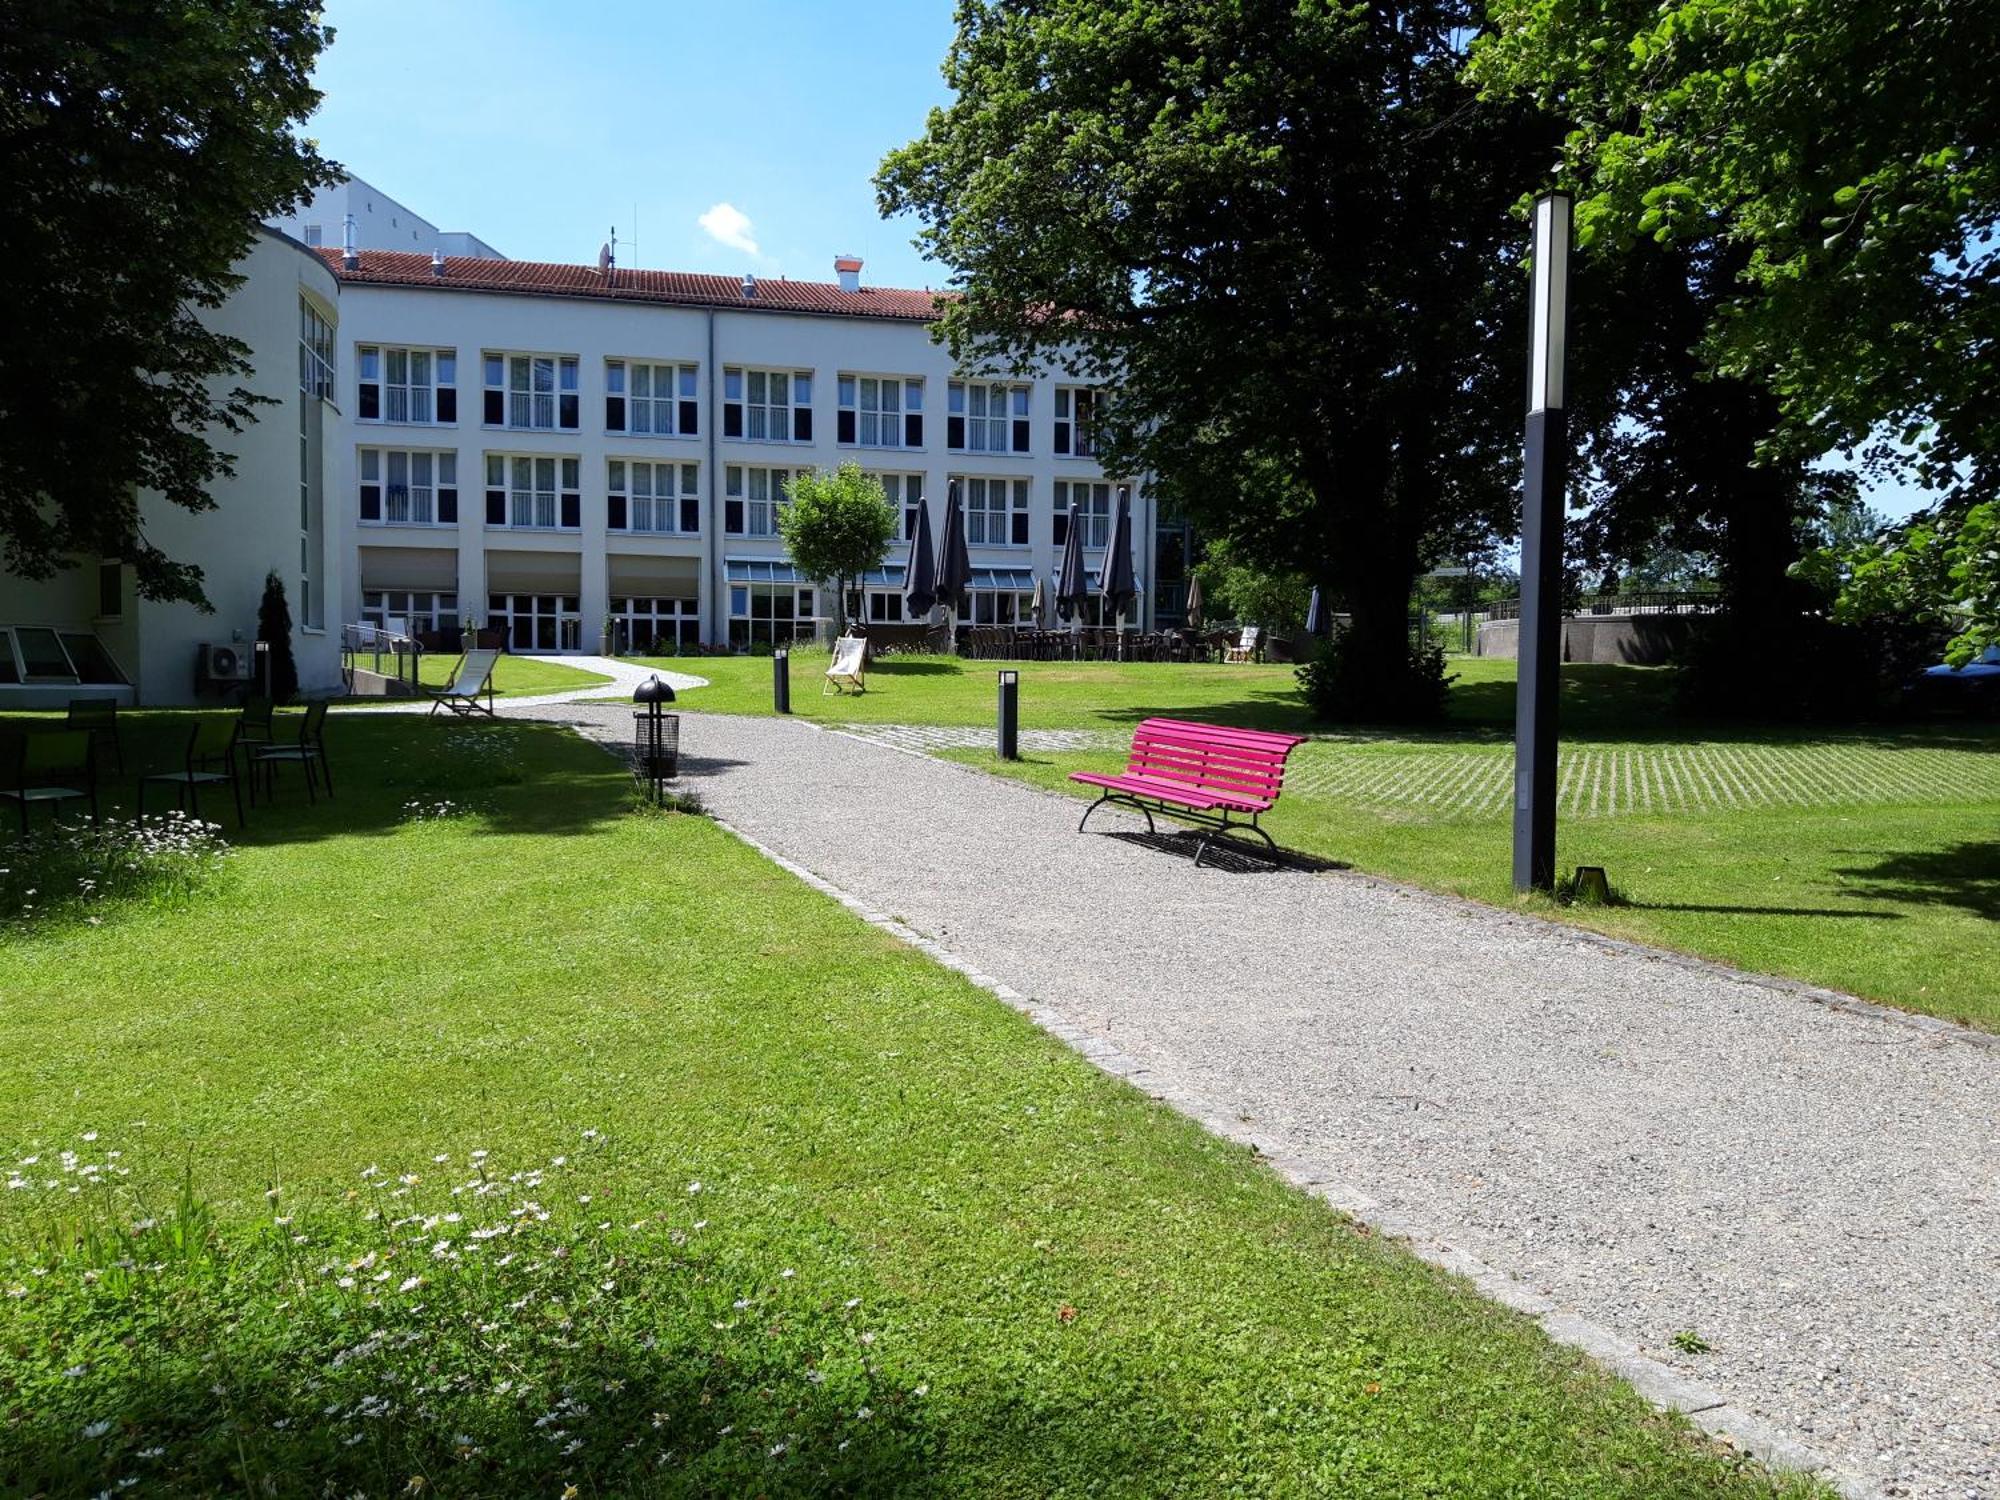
column 905, row 494
column 409, row 610
column 537, row 392
column 408, row 487
column 998, row 607
column 651, row 400
column 1076, row 421
column 315, row 351
column 983, row 416
column 751, row 496
column 996, row 510
column 1092, row 503
column 770, row 613
column 407, row 385
column 642, row 496
column 767, row 406
column 880, row 411
column 655, row 626
column 533, row 492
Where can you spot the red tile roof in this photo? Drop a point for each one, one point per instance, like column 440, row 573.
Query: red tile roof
column 678, row 288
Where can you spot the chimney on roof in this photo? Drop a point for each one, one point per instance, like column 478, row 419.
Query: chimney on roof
column 350, row 258
column 437, row 263
column 749, row 285
column 848, row 269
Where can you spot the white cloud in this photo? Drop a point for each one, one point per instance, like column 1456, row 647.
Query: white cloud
column 727, row 224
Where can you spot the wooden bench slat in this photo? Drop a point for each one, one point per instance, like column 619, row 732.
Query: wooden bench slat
column 1197, row 770
column 1219, row 765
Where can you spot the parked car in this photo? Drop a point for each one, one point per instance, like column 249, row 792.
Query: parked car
column 1974, row 687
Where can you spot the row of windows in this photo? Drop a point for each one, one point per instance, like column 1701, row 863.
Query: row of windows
column 769, row 612
column 543, row 393
column 417, row 487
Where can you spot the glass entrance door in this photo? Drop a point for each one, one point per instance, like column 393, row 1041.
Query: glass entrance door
column 539, row 622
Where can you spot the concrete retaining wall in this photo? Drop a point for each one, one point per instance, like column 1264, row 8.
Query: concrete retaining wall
column 1631, row 640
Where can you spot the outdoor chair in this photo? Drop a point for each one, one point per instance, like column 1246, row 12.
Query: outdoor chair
column 210, row 761
column 472, row 677
column 1246, row 645
column 849, row 668
column 47, row 765
column 99, row 718
column 257, row 722
column 308, row 752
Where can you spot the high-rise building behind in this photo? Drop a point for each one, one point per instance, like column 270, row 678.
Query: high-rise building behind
column 380, row 223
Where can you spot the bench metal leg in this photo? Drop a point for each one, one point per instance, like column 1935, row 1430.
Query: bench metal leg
column 1114, row 797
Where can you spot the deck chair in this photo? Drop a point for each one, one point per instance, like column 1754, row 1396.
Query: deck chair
column 472, row 677
column 47, row 765
column 1245, row 648
column 850, row 666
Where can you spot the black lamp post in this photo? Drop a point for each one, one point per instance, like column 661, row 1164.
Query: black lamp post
column 656, row 738
column 1007, row 739
column 1545, row 475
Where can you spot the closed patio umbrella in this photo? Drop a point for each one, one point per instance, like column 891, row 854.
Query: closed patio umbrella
column 920, row 594
column 1038, row 607
column 1118, row 583
column 1313, row 613
column 1072, row 583
column 954, row 565
column 1194, row 603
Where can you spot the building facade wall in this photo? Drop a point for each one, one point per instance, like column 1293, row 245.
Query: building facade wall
column 285, row 468
column 477, row 561
column 380, row 223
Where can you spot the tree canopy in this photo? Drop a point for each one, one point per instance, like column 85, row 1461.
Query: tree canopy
column 140, row 144
column 837, row 526
column 1841, row 156
column 1280, row 232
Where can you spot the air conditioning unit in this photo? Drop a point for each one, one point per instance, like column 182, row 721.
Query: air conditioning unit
column 225, row 661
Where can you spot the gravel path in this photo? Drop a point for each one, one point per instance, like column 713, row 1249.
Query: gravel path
column 1653, row 1145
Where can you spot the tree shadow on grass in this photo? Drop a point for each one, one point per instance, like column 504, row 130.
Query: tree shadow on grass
column 510, row 777
column 1965, row 875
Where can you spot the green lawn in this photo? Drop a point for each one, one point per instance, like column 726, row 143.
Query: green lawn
column 829, row 1219
column 1866, row 860
column 513, row 676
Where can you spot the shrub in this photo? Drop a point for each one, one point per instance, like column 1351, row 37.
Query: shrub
column 1811, row 669
column 71, row 872
column 454, row 1330
column 1337, row 686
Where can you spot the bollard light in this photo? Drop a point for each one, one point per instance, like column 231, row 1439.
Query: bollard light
column 1009, row 718
column 781, row 681
column 656, row 738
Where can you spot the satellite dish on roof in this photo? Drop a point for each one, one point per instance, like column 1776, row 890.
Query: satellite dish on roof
column 604, row 260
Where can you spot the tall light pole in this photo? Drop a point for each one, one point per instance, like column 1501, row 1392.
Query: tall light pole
column 1545, row 472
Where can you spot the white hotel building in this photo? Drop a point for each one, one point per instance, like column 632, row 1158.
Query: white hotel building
column 549, row 448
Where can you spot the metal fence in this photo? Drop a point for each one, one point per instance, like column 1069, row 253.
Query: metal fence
column 1653, row 602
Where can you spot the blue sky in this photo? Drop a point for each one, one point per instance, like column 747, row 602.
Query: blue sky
column 716, row 137
column 539, row 126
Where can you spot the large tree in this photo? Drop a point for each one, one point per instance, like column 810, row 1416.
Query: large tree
column 1279, row 230
column 140, row 143
column 1845, row 154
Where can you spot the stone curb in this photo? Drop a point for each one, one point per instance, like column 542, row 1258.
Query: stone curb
column 1660, row 1384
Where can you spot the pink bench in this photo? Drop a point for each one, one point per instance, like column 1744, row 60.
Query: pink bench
column 1218, row 778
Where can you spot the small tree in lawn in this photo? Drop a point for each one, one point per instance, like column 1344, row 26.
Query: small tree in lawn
column 274, row 628
column 838, row 526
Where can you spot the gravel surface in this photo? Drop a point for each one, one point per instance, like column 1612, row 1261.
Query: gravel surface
column 1654, row 1145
